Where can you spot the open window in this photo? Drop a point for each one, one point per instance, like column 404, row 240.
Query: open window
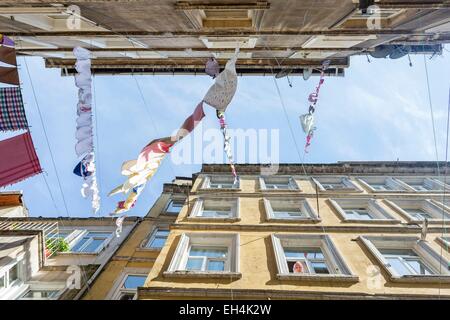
column 309, row 257
column 362, row 211
column 206, row 255
column 407, row 259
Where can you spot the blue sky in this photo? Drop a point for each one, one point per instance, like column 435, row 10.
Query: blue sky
column 378, row 111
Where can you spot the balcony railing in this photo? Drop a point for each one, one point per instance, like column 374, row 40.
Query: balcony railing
column 49, row 230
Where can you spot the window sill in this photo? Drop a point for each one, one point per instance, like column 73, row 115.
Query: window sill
column 68, row 253
column 279, row 190
column 318, row 278
column 202, row 274
column 205, row 219
column 430, row 221
column 300, row 220
column 422, row 279
column 343, row 190
column 373, row 221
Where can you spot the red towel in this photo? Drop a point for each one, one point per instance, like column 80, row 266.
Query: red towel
column 18, row 159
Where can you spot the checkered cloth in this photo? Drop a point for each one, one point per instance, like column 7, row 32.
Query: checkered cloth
column 12, row 112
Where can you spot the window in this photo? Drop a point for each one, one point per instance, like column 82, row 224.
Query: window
column 204, row 258
column 309, row 257
column 382, row 184
column 362, row 210
column 405, row 262
column 91, row 242
column 129, row 285
column 11, row 276
column 276, row 183
column 214, row 208
column 39, row 294
column 199, row 254
column 174, row 206
column 407, row 258
column 289, row 209
column 221, row 182
column 419, row 210
column 336, row 184
column 158, row 239
column 420, row 184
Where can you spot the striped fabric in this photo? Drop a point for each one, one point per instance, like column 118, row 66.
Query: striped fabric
column 12, row 112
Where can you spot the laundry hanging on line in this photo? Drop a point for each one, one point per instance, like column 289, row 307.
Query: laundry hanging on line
column 8, row 55
column 18, row 159
column 12, row 112
column 84, row 148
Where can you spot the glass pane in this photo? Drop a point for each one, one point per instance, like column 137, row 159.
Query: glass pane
column 398, row 266
column 40, row 294
column 358, row 214
column 158, row 242
column 93, row 245
column 162, row 233
column 216, row 265
column 215, row 213
column 281, row 186
column 320, row 267
column 2, row 282
column 305, row 253
column 287, row 214
column 133, row 281
column 380, row 187
column 221, row 185
column 419, row 187
column 127, row 296
column 174, row 206
column 194, row 264
column 418, row 214
column 13, row 274
column 209, row 252
column 80, row 243
column 418, row 266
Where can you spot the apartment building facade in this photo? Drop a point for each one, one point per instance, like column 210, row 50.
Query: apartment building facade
column 318, row 231
column 52, row 258
column 129, row 267
column 177, row 37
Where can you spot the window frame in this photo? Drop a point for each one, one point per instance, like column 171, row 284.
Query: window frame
column 177, row 266
column 117, row 289
column 426, row 205
column 291, row 183
column 208, row 180
column 173, row 200
column 349, row 185
column 408, row 182
column 206, row 259
column 201, row 202
column 152, row 235
column 303, row 205
column 338, row 268
column 374, row 207
column 84, row 234
column 387, row 181
column 429, row 257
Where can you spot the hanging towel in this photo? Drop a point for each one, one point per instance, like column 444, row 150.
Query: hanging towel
column 12, row 112
column 8, row 55
column 18, row 159
column 9, row 75
column 4, row 40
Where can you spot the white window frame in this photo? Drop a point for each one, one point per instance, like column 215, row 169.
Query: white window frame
column 430, row 207
column 291, row 183
column 436, row 185
column 302, row 205
column 349, row 185
column 43, row 287
column 12, row 289
column 429, row 257
column 117, row 290
column 373, row 206
column 187, row 240
column 169, row 202
column 339, row 270
column 389, row 181
column 205, row 259
column 200, row 203
column 146, row 243
column 78, row 235
column 207, row 180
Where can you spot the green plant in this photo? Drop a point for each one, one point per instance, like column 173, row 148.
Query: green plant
column 57, row 245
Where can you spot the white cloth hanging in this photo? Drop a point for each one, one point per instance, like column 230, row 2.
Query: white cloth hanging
column 307, row 122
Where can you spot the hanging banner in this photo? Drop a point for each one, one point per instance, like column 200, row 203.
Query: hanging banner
column 8, row 55
column 84, row 147
column 9, row 75
column 12, row 112
column 18, row 159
